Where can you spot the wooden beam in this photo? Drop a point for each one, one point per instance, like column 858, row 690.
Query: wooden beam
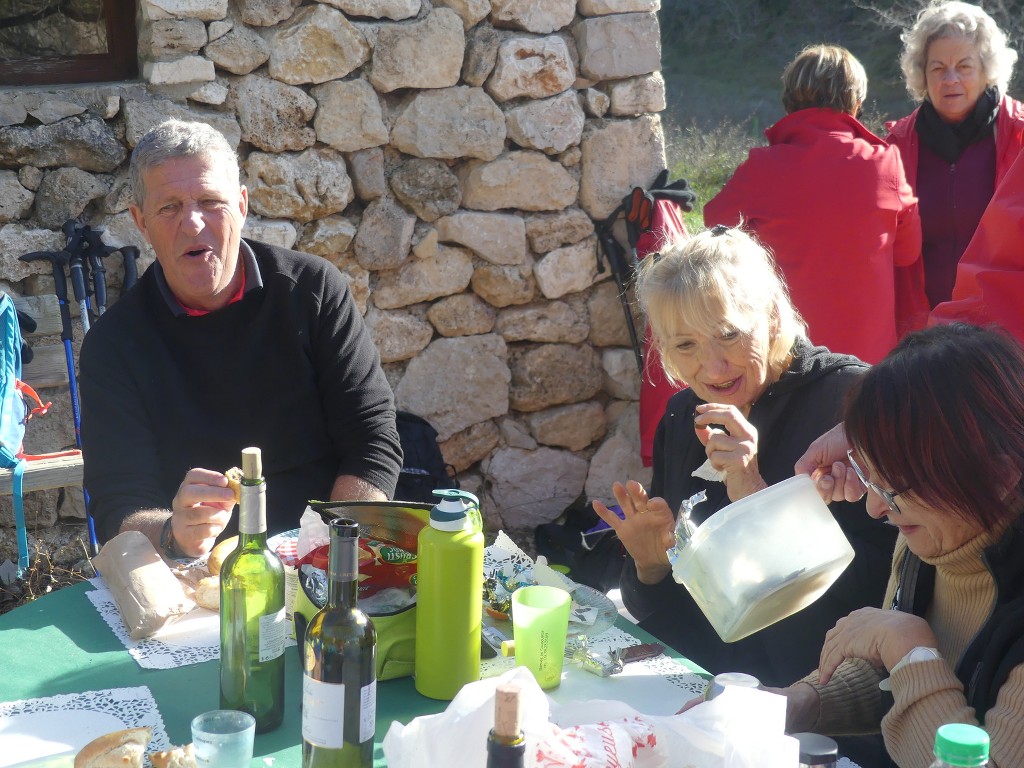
column 45, row 473
column 49, row 367
column 45, row 310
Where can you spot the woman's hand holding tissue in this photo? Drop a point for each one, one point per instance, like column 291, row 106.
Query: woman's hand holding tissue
column 646, row 531
column 732, row 450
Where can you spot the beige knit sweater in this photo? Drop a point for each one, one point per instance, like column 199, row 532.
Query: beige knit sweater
column 928, row 694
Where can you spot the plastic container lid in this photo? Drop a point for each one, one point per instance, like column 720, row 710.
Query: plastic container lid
column 961, row 745
column 452, row 512
column 816, row 749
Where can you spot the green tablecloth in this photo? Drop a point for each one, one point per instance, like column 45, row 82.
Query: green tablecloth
column 59, row 644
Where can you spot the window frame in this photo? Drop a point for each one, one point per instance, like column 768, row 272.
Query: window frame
column 120, row 62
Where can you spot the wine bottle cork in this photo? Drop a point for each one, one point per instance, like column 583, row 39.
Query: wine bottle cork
column 506, row 711
column 252, row 464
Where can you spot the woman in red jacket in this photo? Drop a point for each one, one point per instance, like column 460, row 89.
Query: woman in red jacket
column 956, row 146
column 831, row 201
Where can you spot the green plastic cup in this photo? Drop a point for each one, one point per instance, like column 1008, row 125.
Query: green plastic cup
column 540, row 619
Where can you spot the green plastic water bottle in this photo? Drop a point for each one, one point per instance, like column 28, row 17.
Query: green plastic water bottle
column 449, row 596
column 958, row 745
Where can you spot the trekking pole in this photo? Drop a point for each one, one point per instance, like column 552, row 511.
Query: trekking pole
column 98, row 251
column 78, row 285
column 616, row 256
column 130, row 254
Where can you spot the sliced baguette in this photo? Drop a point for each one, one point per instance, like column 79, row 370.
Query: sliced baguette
column 120, row 749
column 178, row 757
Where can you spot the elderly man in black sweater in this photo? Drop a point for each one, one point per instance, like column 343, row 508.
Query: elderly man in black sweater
column 225, row 343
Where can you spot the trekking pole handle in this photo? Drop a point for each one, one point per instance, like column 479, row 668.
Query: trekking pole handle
column 78, row 277
column 131, row 271
column 60, row 287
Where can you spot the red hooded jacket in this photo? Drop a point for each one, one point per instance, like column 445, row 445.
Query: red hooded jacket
column 831, row 201
column 912, row 306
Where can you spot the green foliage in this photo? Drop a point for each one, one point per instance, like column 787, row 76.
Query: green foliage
column 707, row 157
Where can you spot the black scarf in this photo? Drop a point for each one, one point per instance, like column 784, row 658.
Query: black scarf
column 949, row 141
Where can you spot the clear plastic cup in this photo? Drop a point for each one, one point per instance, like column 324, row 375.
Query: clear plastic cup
column 540, row 620
column 223, row 738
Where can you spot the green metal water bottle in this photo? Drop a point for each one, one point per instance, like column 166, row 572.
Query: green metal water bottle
column 449, row 596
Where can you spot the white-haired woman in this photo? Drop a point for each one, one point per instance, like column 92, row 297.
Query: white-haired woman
column 759, row 392
column 956, row 146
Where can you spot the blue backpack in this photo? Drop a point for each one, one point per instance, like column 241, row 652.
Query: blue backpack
column 14, row 412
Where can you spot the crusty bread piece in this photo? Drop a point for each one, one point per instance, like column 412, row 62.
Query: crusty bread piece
column 120, row 749
column 208, row 593
column 234, row 476
column 178, row 757
column 217, row 555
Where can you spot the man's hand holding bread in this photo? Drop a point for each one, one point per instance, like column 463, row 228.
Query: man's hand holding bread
column 202, row 509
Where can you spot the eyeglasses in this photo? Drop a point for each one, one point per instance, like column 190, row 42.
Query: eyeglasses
column 888, row 496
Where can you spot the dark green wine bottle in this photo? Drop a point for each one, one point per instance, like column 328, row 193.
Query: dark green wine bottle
column 252, row 620
column 506, row 746
column 339, row 680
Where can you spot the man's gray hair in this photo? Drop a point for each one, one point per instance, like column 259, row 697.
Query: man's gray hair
column 956, row 19
column 173, row 139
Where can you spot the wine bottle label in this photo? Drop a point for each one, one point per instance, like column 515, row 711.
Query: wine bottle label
column 323, row 713
column 273, row 628
column 252, row 509
column 367, row 711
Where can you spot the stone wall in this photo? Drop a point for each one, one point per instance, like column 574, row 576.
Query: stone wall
column 449, row 156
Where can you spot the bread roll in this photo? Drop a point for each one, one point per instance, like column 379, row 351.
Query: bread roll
column 208, row 593
column 120, row 749
column 218, row 553
column 234, row 476
column 179, row 757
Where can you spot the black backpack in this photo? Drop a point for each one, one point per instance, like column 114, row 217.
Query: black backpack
column 423, row 467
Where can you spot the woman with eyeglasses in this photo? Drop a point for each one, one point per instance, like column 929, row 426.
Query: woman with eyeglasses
column 935, row 433
column 759, row 392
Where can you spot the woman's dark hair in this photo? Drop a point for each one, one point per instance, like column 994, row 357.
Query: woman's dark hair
column 942, row 418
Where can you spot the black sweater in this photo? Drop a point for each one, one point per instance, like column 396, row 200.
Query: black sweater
column 805, row 402
column 290, row 368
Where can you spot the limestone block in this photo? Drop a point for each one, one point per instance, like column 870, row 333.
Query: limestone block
column 384, row 236
column 142, row 115
column 274, row 116
column 302, row 186
column 424, row 241
column 456, row 383
column 568, row 269
column 481, row 53
column 349, row 116
column 547, row 231
column 51, row 110
column 514, row 434
column 525, row 180
column 328, row 237
column 595, row 103
column 426, row 53
column 240, row 50
column 607, row 317
column 446, row 274
column 531, row 488
column 569, row 426
column 315, row 45
column 83, row 142
column 636, row 95
column 266, row 13
column 65, row 193
column 618, row 458
column 531, row 66
column 273, row 232
column 358, row 282
column 171, row 38
column 30, row 177
column 450, row 123
column 550, row 125
column 464, row 449
column 622, row 45
column 503, row 286
column 17, row 239
column 398, row 334
column 188, row 69
column 605, row 7
column 552, row 322
column 428, row 187
column 367, row 170
column 461, row 315
column 553, row 374
column 621, row 376
column 470, row 11
column 211, row 93
column 541, row 16
column 15, row 200
column 617, row 156
column 500, row 238
column 12, row 113
column 396, row 10
column 217, row 29
column 205, row 10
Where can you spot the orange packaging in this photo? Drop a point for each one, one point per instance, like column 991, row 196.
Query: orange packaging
column 382, row 565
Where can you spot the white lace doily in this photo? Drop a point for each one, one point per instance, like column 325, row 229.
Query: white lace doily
column 133, row 707
column 192, row 639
